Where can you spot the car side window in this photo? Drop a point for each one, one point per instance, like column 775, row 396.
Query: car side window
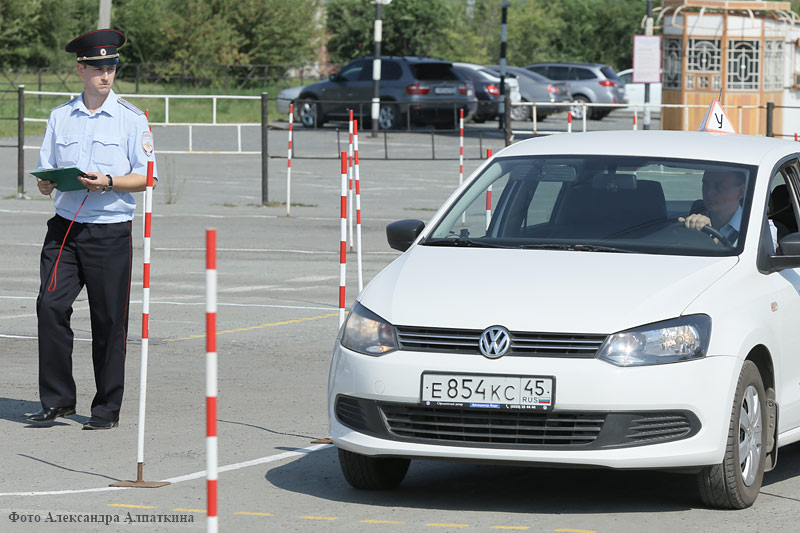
column 782, row 202
column 540, row 70
column 543, row 202
column 390, row 71
column 627, row 78
column 558, row 73
column 583, row 74
column 352, row 71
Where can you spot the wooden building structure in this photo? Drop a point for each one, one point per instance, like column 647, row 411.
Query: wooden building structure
column 740, row 51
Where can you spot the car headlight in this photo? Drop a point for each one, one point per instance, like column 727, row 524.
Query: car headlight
column 678, row 339
column 367, row 333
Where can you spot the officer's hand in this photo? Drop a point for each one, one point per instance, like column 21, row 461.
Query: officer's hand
column 94, row 181
column 695, row 221
column 45, row 187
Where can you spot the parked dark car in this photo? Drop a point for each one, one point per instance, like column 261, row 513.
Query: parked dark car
column 589, row 83
column 534, row 87
column 487, row 91
column 415, row 90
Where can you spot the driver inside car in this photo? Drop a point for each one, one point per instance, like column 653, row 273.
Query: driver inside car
column 723, row 191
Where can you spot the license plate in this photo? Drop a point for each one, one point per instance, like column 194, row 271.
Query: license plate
column 444, row 90
column 488, row 391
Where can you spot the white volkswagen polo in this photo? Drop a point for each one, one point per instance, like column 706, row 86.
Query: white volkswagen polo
column 615, row 299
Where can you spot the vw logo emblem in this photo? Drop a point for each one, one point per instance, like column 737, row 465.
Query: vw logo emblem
column 495, row 342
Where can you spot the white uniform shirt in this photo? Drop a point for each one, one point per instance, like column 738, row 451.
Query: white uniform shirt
column 115, row 140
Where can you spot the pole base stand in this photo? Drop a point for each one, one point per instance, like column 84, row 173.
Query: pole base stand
column 325, row 440
column 139, row 484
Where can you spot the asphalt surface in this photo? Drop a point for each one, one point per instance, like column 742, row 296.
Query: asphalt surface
column 277, row 319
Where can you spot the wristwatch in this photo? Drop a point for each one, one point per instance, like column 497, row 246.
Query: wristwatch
column 110, row 185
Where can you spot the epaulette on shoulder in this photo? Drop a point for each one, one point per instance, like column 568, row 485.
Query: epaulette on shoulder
column 127, row 104
column 65, row 103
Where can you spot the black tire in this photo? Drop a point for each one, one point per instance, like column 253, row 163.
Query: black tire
column 307, row 111
column 388, row 117
column 372, row 473
column 736, row 482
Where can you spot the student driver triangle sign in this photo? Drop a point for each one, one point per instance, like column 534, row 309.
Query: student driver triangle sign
column 715, row 119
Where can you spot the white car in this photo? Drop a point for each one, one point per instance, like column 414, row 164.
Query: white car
column 573, row 319
column 634, row 92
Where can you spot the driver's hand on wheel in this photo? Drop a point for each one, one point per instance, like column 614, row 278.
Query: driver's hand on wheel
column 695, row 221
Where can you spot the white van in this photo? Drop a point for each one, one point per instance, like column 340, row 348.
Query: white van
column 614, row 299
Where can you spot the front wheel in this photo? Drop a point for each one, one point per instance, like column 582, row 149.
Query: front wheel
column 735, row 483
column 308, row 112
column 372, row 473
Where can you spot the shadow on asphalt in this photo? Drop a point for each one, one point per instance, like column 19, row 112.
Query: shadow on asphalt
column 458, row 486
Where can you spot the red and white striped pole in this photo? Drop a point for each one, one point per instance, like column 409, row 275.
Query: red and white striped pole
column 488, row 195
column 635, row 127
column 350, row 178
column 795, row 137
column 289, row 164
column 211, row 378
column 569, row 122
column 148, row 210
column 461, row 146
column 343, row 240
column 358, row 205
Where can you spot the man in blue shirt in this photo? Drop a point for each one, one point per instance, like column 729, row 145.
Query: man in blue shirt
column 88, row 241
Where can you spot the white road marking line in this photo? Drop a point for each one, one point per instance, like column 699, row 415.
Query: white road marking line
column 167, row 302
column 188, row 477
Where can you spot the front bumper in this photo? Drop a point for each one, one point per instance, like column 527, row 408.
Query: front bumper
column 586, row 389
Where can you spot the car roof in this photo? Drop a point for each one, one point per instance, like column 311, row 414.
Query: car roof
column 731, row 148
column 566, row 64
column 409, row 59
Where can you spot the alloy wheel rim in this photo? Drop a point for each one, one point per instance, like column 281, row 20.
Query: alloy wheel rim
column 750, row 435
column 307, row 112
column 386, row 118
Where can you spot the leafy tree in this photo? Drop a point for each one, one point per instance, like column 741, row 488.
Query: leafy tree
column 410, row 27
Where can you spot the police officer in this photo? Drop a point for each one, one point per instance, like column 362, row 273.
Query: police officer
column 88, row 241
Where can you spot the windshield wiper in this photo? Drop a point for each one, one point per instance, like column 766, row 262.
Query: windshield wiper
column 463, row 241
column 573, row 247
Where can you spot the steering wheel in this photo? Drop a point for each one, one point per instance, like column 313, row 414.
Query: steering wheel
column 711, row 232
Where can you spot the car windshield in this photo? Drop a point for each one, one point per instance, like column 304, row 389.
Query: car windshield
column 601, row 203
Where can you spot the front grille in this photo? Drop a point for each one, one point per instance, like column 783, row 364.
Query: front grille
column 466, row 341
column 498, row 427
column 506, row 428
column 660, row 426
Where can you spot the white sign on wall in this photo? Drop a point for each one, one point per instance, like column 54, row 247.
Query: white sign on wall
column 646, row 58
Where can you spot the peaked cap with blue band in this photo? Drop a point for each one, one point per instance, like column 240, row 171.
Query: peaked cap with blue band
column 98, row 47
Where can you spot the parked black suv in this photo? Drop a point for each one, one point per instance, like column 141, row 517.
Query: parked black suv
column 416, row 90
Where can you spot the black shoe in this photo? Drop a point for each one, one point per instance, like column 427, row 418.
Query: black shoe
column 50, row 413
column 96, row 422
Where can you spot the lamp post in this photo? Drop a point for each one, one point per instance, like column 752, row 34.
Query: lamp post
column 376, row 66
column 648, row 30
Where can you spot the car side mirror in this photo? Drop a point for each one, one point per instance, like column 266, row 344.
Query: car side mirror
column 790, row 253
column 333, row 77
column 403, row 233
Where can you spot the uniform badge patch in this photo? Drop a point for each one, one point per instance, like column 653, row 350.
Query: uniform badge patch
column 147, row 143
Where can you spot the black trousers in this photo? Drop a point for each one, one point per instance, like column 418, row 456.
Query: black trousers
column 97, row 256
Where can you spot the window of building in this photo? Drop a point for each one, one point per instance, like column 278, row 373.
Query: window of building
column 773, row 65
column 704, row 55
column 743, row 64
column 672, row 63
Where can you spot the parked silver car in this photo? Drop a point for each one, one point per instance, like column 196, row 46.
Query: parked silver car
column 534, row 87
column 588, row 83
